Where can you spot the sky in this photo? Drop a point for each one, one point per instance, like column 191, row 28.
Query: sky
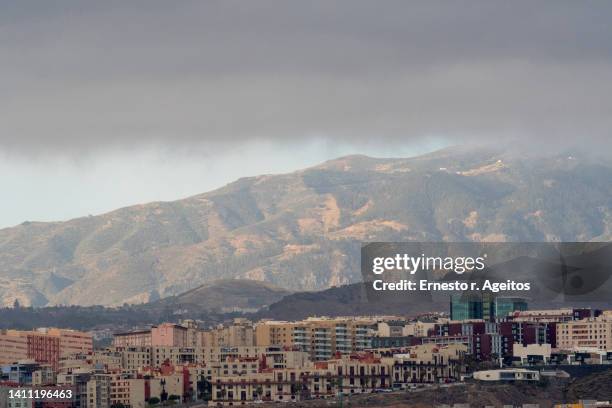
column 107, row 104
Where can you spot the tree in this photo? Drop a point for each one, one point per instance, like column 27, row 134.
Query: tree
column 336, row 382
column 204, row 389
column 469, row 363
column 259, row 392
column 164, row 393
column 153, row 401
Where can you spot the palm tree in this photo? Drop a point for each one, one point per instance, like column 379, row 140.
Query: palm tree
column 204, row 389
column 259, row 392
column 336, row 382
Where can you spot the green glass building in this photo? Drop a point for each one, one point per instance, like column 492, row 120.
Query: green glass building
column 468, row 306
column 505, row 305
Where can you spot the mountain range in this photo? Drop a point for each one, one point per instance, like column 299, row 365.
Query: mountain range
column 302, row 231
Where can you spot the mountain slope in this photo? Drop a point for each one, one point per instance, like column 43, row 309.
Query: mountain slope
column 223, row 296
column 348, row 300
column 302, row 230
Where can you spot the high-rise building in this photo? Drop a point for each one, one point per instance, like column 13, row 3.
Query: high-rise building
column 185, row 334
column 503, row 306
column 320, row 337
column 90, row 389
column 42, row 345
column 469, row 306
column 12, row 348
column 135, row 338
column 485, row 306
column 239, row 333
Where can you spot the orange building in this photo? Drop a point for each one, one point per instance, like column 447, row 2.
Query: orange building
column 43, row 345
column 12, row 347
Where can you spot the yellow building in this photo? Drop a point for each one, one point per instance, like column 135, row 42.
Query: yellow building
column 130, row 392
column 587, row 333
column 322, row 338
column 239, row 333
column 134, row 357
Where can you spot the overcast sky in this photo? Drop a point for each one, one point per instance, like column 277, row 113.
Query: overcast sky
column 111, row 103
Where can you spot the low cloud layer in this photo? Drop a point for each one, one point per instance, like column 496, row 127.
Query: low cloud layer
column 88, row 76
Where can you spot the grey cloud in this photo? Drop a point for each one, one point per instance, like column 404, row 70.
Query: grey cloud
column 78, row 75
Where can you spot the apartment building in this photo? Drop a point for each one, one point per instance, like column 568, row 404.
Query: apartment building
column 99, row 359
column 172, row 335
column 273, row 356
column 43, row 348
column 134, row 357
column 429, row 363
column 593, row 333
column 127, row 392
column 91, row 389
column 400, row 328
column 107, row 359
column 552, row 315
column 20, row 372
column 43, row 345
column 165, row 334
column 167, row 381
column 102, row 389
column 186, row 334
column 322, row 338
column 487, row 339
column 97, row 392
column 483, row 305
column 323, row 380
column 221, row 353
column 44, row 376
column 239, row 333
column 75, row 362
column 70, row 341
column 136, row 338
column 393, row 328
column 12, row 348
column 348, row 374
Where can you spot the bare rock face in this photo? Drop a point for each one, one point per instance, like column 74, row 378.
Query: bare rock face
column 302, row 231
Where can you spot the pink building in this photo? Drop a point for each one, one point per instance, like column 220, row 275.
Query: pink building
column 165, row 334
column 169, row 334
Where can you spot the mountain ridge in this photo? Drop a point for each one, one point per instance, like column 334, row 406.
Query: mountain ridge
column 302, row 230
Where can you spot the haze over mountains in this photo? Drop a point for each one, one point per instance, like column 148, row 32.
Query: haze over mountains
column 302, row 231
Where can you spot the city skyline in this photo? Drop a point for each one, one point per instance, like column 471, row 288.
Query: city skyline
column 243, row 362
